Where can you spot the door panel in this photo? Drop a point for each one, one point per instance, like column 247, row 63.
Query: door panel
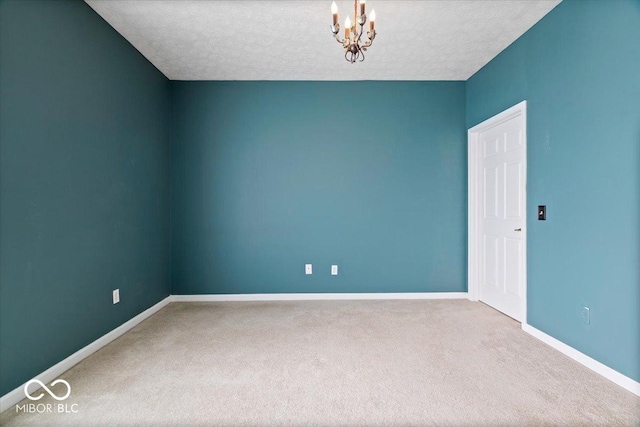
column 491, row 261
column 513, row 204
column 490, row 147
column 491, row 193
column 513, row 140
column 512, row 254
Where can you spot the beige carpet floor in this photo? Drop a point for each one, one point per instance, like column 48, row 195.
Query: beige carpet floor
column 448, row 362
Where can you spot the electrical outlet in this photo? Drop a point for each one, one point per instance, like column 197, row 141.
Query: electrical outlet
column 585, row 315
column 334, row 270
column 116, row 296
column 308, row 269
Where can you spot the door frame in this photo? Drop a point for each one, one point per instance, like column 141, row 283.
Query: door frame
column 474, row 254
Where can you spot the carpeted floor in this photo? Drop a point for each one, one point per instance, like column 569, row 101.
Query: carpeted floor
column 439, row 362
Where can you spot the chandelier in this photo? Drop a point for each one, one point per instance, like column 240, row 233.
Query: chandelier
column 354, row 47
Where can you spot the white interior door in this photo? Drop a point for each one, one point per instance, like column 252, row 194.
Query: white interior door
column 501, row 202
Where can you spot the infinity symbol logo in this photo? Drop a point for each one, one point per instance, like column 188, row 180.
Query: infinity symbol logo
column 52, row 394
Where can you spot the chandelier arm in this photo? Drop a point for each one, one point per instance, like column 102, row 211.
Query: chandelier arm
column 371, row 35
column 359, row 34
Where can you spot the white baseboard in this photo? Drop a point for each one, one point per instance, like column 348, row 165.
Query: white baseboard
column 16, row 395
column 319, row 296
column 610, row 374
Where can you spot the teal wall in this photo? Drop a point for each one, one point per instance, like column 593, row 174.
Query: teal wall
column 579, row 70
column 84, row 183
column 268, row 176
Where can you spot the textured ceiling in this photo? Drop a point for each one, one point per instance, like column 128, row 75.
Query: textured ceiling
column 291, row 40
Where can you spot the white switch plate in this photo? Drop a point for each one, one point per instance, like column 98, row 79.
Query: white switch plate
column 308, row 269
column 334, row 270
column 116, row 296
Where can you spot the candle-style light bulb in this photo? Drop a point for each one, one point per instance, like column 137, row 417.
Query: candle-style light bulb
column 372, row 19
column 362, row 3
column 334, row 11
column 347, row 28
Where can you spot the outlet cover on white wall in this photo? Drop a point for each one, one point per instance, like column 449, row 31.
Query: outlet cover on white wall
column 308, row 269
column 116, row 296
column 334, row 270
